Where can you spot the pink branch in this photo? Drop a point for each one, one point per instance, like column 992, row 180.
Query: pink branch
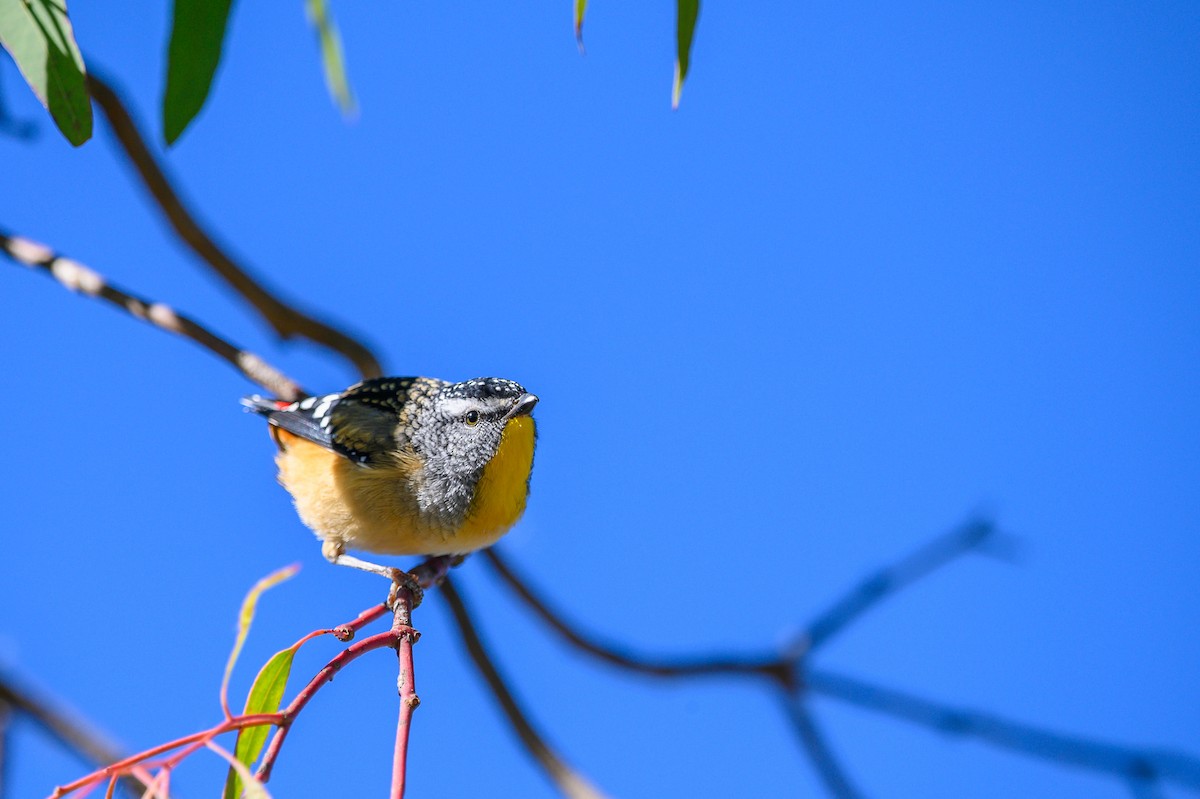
column 122, row 766
column 400, row 637
column 405, row 637
column 288, row 715
column 345, row 632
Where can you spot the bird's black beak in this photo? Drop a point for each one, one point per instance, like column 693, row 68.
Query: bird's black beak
column 522, row 407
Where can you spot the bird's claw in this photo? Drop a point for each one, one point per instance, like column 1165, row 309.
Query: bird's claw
column 404, row 581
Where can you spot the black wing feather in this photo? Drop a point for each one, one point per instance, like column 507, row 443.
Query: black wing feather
column 360, row 423
column 297, row 418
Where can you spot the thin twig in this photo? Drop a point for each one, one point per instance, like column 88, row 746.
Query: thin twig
column 881, row 585
column 404, row 598
column 771, row 667
column 324, row 676
column 285, row 320
column 121, row 766
column 63, row 728
column 867, row 594
column 77, row 277
column 1131, row 765
column 817, row 748
column 570, row 783
column 239, row 767
column 406, row 684
column 159, row 787
column 427, row 574
column 345, row 632
column 1136, row 767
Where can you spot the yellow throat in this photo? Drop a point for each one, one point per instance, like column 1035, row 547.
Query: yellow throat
column 502, row 488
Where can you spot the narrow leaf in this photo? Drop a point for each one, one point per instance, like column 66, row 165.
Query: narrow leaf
column 580, row 11
column 332, row 59
column 38, row 35
column 687, row 12
column 254, row 788
column 246, row 616
column 265, row 697
column 197, row 34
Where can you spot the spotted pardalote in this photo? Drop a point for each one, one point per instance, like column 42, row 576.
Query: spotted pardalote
column 406, row 465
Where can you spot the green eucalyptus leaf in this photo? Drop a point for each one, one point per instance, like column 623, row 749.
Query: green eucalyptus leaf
column 687, row 12
column 265, row 697
column 246, row 617
column 197, row 34
column 252, row 787
column 580, row 11
column 332, row 58
column 38, row 35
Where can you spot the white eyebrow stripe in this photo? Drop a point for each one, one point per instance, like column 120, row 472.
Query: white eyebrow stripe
column 460, row 405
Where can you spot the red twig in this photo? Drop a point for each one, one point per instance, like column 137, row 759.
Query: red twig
column 345, row 632
column 401, row 636
column 405, row 637
column 288, row 715
column 160, row 786
column 122, row 766
column 427, row 574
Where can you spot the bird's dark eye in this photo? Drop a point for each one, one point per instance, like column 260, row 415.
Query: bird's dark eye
column 472, row 418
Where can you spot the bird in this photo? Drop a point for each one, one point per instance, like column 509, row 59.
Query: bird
column 405, row 465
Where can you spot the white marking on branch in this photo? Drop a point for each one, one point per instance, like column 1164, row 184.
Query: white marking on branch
column 76, row 276
column 164, row 316
column 29, row 252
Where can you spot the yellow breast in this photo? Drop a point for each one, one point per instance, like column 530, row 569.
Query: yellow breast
column 503, row 487
column 374, row 510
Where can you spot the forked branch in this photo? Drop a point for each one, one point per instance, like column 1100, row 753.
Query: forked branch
column 166, row 757
column 791, row 674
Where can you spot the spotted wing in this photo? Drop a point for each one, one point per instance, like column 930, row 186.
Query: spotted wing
column 359, row 423
column 299, row 418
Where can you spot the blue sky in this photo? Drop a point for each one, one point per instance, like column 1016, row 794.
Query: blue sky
column 888, row 266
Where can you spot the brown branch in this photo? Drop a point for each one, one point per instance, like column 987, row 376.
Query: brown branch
column 79, row 278
column 1129, row 764
column 568, row 781
column 817, row 748
column 771, row 667
column 870, row 592
column 782, row 669
column 791, row 673
column 64, row 729
column 285, row 320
